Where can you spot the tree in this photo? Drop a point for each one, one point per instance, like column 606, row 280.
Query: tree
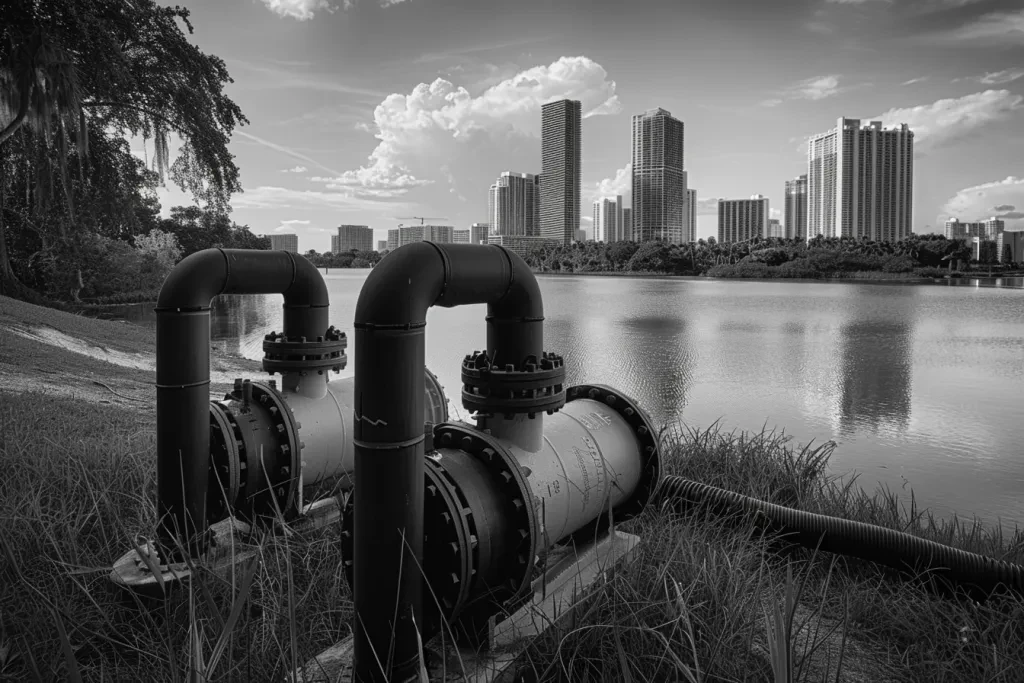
column 71, row 70
column 161, row 247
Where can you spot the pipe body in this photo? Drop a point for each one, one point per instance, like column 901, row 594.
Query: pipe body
column 243, row 428
column 494, row 510
column 326, row 431
column 390, row 322
column 590, row 463
column 183, row 368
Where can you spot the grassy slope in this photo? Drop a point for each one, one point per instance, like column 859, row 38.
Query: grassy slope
column 28, row 364
column 79, row 483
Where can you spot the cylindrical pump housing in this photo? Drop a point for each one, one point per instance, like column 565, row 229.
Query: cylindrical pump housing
column 492, row 509
column 269, row 442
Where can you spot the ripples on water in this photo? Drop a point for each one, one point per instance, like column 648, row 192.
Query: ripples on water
column 918, row 384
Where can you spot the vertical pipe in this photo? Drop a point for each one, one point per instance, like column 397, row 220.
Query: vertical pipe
column 182, row 398
column 388, row 427
column 388, row 516
column 183, row 368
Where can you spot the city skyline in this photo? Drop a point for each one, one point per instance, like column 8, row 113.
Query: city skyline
column 358, row 117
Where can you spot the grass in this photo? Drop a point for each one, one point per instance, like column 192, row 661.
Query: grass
column 705, row 600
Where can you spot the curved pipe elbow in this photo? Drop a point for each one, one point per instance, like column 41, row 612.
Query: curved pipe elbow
column 401, row 288
column 194, row 281
column 308, row 287
column 203, row 275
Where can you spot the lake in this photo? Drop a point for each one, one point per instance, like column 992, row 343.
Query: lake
column 919, row 384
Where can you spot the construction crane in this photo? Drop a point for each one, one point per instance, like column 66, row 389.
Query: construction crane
column 422, row 219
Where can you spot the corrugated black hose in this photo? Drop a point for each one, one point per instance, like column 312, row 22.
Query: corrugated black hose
column 855, row 539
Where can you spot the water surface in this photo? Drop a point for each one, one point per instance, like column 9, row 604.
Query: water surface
column 920, row 385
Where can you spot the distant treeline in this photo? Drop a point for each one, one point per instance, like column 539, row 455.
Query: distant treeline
column 346, row 259
column 821, row 257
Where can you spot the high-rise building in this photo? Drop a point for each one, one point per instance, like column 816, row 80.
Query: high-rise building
column 382, row 245
column 1010, row 246
column 478, row 233
column 627, row 224
column 561, row 124
column 993, row 227
column 394, row 238
column 460, row 236
column 420, row 233
column 659, row 182
column 795, row 209
column 351, row 237
column 691, row 212
column 609, row 221
column 775, row 228
column 514, row 204
column 581, row 235
column 860, row 181
column 742, row 219
column 285, row 243
column 986, row 230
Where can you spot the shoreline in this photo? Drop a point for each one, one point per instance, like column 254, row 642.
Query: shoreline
column 898, row 279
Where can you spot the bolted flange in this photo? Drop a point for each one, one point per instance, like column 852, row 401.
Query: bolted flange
column 283, row 354
column 531, row 387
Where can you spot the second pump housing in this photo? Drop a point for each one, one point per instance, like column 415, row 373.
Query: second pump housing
column 495, row 505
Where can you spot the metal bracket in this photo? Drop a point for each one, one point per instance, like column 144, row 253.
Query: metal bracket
column 574, row 573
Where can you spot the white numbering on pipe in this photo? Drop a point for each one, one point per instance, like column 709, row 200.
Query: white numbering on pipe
column 598, row 461
column 594, row 421
column 584, row 486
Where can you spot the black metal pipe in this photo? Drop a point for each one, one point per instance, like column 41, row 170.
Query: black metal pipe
column 390, row 323
column 183, row 367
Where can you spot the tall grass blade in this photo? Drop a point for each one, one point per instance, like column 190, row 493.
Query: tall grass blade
column 74, row 673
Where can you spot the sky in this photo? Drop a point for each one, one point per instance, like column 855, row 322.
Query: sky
column 373, row 112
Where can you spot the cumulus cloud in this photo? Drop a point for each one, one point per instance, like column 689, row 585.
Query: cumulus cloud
column 946, row 121
column 302, row 10
column 707, row 207
column 817, row 88
column 440, row 121
column 290, row 225
column 1000, row 77
column 994, row 28
column 296, row 169
column 305, row 9
column 619, row 184
column 977, row 202
column 270, row 197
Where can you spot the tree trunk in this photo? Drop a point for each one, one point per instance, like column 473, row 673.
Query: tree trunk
column 6, row 271
column 78, row 286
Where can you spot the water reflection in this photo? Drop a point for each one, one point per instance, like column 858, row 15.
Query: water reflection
column 876, row 361
column 238, row 323
column 657, row 356
column 876, row 376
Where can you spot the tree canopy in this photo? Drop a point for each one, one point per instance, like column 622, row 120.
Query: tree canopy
column 76, row 78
